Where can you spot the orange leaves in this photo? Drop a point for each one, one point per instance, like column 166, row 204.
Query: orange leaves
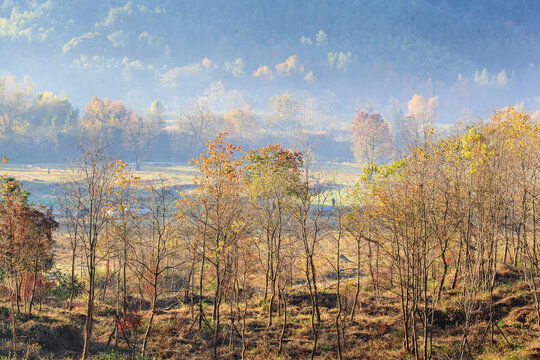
column 231, row 149
column 12, row 190
column 219, row 168
column 26, row 232
column 119, row 165
column 218, row 159
column 103, row 112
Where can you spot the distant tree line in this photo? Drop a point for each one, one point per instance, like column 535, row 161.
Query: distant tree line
column 43, row 127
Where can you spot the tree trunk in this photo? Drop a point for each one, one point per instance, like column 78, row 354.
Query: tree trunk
column 151, row 321
column 34, row 285
column 72, row 287
column 89, row 310
column 14, row 294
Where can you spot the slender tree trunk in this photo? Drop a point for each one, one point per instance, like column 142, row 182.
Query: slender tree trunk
column 338, row 315
column 244, row 315
column 358, row 269
column 34, row 285
column 153, row 309
column 284, row 326
column 271, row 302
column 72, row 280
column 315, row 290
column 124, row 281
column 18, row 292
column 14, row 291
column 201, row 277
column 89, row 307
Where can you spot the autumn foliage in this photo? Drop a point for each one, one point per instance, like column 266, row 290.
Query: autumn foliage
column 260, row 256
column 372, row 140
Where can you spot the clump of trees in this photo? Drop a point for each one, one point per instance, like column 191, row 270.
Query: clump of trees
column 49, row 125
column 448, row 216
column 27, row 250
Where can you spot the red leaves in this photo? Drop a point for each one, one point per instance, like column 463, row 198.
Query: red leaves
column 27, row 284
column 26, row 232
column 371, row 136
column 370, row 125
column 132, row 321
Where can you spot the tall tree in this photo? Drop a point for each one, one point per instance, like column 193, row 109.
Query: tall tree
column 27, row 245
column 372, row 138
column 217, row 220
column 240, row 123
column 197, row 124
column 419, row 119
column 272, row 174
column 284, row 114
column 14, row 100
column 157, row 246
column 89, row 187
column 139, row 137
column 155, row 113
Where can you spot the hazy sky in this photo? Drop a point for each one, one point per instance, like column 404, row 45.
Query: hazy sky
column 474, row 55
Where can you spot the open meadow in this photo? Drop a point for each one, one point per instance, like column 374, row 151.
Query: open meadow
column 43, row 180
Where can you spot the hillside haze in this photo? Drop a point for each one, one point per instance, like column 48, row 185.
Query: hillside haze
column 473, row 55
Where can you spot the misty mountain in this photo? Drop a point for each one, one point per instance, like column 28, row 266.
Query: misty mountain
column 137, row 51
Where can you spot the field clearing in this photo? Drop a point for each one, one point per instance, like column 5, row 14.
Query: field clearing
column 42, row 180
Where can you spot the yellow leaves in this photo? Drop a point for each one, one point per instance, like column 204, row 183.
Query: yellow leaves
column 240, row 122
column 5, row 160
column 466, row 154
column 237, row 226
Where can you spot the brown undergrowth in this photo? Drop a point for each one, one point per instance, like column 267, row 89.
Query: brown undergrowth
column 374, row 333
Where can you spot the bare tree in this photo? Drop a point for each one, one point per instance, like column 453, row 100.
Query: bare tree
column 197, row 124
column 311, row 220
column 271, row 175
column 156, row 245
column 140, row 134
column 89, row 184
